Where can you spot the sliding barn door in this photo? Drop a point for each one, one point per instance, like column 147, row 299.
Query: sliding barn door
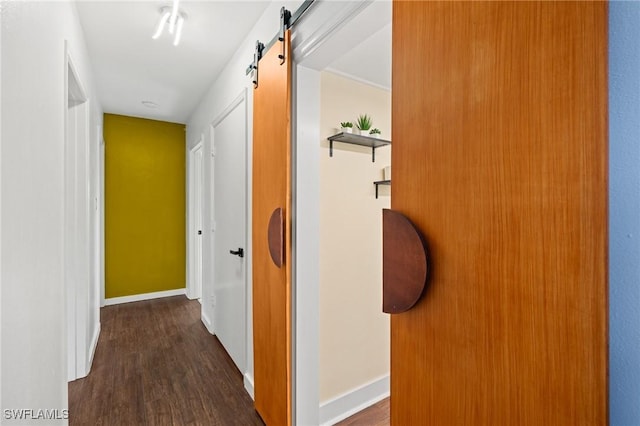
column 500, row 160
column 272, row 236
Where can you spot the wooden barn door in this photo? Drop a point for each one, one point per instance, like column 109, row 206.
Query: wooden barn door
column 500, row 159
column 272, row 235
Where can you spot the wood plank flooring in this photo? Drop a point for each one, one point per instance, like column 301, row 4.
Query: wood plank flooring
column 376, row 415
column 156, row 364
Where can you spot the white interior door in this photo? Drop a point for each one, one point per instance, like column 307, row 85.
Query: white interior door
column 229, row 212
column 197, row 223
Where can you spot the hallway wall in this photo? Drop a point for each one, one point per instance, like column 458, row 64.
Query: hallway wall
column 32, row 167
column 145, row 206
column 624, row 205
column 354, row 332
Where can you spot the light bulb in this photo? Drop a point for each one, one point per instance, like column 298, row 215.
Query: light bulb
column 174, row 17
column 161, row 24
column 176, row 40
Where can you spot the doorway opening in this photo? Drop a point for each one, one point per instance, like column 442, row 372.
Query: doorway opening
column 347, row 76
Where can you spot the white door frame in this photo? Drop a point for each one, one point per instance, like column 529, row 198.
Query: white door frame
column 101, row 216
column 193, row 292
column 316, row 43
column 76, row 251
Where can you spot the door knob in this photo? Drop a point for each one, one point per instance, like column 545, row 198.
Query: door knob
column 199, row 232
column 404, row 263
column 275, row 237
column 239, row 252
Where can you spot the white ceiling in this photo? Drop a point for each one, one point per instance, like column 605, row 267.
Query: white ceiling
column 361, row 48
column 369, row 61
column 130, row 67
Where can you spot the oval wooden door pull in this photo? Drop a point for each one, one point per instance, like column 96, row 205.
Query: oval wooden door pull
column 404, row 263
column 275, row 235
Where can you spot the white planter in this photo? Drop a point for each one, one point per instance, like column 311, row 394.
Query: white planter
column 374, row 135
column 346, row 129
column 386, row 173
column 363, row 132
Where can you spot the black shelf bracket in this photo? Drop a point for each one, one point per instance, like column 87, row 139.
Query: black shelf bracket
column 380, row 182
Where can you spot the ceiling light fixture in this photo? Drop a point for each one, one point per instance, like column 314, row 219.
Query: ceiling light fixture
column 174, row 18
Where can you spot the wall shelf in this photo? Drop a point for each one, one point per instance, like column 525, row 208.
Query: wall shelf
column 352, row 139
column 381, row 182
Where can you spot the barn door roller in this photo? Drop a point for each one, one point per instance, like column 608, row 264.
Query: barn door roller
column 287, row 20
column 256, row 58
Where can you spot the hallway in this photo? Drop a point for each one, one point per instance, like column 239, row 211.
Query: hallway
column 156, row 364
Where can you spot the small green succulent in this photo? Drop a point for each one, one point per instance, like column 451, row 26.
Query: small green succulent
column 375, row 132
column 364, row 122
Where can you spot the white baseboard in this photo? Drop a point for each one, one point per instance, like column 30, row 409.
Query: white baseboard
column 92, row 348
column 349, row 403
column 144, row 296
column 248, row 385
column 206, row 321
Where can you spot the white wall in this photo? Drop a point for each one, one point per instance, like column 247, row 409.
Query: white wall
column 354, row 332
column 32, row 199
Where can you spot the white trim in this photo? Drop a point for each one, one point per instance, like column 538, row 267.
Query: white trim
column 229, row 109
column 206, row 321
column 349, row 403
column 145, row 296
column 63, row 313
column 92, row 348
column 326, row 29
column 305, row 241
column 76, row 239
column 248, row 385
column 358, row 79
column 102, row 212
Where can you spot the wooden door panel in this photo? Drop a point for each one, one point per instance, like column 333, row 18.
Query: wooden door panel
column 499, row 155
column 272, row 190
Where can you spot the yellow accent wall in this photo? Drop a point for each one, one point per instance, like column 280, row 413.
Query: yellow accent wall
column 144, row 205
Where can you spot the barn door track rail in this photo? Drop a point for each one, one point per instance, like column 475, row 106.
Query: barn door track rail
column 287, row 20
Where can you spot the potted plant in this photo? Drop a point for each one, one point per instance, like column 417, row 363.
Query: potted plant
column 374, row 133
column 364, row 124
column 346, row 127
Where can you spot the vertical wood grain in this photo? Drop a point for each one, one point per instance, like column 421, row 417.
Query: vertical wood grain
column 499, row 157
column 271, row 190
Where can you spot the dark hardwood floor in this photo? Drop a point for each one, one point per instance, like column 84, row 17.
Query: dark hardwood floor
column 156, row 364
column 376, row 415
